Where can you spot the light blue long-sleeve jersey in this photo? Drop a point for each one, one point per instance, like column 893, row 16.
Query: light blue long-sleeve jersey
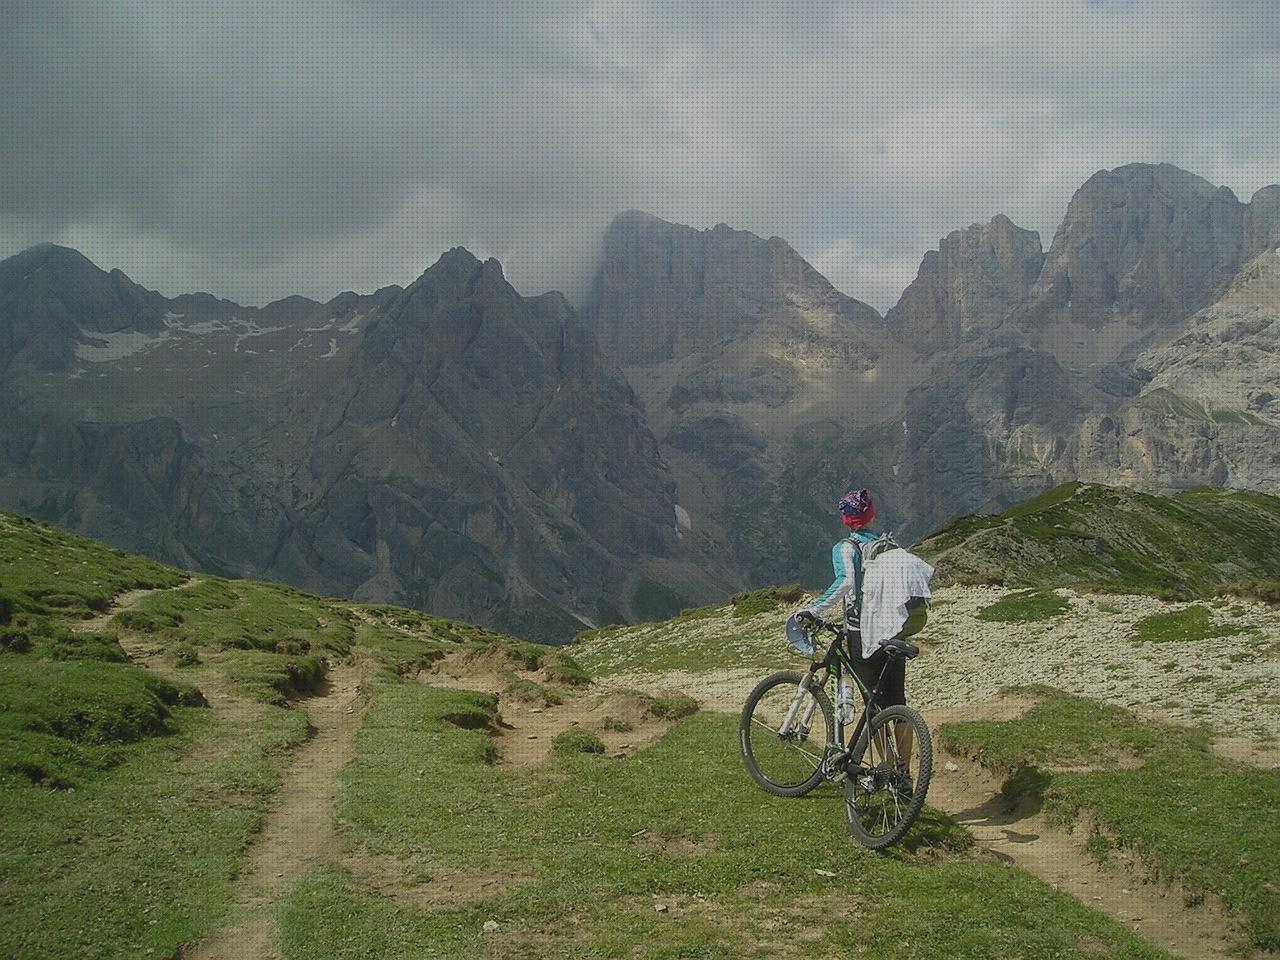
column 846, row 562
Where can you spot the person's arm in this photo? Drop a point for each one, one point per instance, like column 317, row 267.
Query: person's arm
column 845, row 561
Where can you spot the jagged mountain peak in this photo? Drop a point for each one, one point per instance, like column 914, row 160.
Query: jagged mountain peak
column 666, row 290
column 1147, row 243
column 50, row 262
column 1263, row 225
column 50, row 293
column 975, row 278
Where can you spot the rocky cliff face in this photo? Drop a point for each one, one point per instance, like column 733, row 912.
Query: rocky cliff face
column 452, row 444
column 664, row 291
column 1140, row 355
column 1144, row 244
column 49, row 295
column 457, row 446
column 481, row 458
column 736, row 347
column 1000, row 371
column 976, row 278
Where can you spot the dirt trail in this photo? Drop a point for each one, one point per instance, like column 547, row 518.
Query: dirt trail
column 299, row 831
column 526, row 731
column 125, row 601
column 1166, row 915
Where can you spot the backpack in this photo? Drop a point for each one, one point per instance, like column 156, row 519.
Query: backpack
column 873, row 548
column 917, row 607
column 868, row 551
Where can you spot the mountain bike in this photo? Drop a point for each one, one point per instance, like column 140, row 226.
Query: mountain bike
column 792, row 739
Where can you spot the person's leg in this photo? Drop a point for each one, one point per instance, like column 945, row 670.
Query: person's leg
column 896, row 693
column 869, row 671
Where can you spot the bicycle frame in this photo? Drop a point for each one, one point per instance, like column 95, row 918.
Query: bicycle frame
column 836, row 662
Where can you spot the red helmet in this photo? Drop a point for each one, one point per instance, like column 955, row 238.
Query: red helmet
column 856, row 509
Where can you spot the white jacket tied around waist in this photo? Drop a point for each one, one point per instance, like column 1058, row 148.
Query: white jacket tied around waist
column 888, row 582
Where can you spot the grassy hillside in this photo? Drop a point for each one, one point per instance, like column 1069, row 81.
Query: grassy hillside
column 1194, row 544
column 1147, row 787
column 126, row 801
column 495, row 799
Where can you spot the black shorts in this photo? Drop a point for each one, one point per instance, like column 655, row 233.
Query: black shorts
column 893, row 691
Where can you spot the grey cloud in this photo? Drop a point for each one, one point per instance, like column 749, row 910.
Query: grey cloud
column 260, row 150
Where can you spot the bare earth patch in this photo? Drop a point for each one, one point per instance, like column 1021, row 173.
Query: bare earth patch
column 526, row 731
column 430, row 886
column 1184, row 924
column 125, row 601
column 675, row 844
column 299, row 832
column 1165, row 914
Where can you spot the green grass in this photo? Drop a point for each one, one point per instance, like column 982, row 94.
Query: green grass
column 572, row 742
column 530, row 691
column 243, row 615
column 125, row 808
column 45, row 570
column 272, row 678
column 587, row 845
column 766, row 600
column 142, row 857
column 1156, row 790
column 1196, row 544
column 671, row 706
column 699, row 643
column 1192, row 623
column 1060, row 731
column 1028, row 606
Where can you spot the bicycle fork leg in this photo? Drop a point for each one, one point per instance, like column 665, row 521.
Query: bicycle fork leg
column 789, row 723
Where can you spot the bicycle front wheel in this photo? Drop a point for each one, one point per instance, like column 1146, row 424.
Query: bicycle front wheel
column 889, row 773
column 784, row 733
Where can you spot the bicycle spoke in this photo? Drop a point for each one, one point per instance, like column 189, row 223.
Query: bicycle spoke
column 790, row 762
column 881, row 796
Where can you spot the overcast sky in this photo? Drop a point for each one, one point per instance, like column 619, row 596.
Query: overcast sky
column 258, row 149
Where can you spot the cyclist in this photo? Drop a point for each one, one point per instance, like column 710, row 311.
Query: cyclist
column 857, row 511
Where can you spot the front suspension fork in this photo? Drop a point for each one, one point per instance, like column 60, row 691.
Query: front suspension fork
column 789, row 724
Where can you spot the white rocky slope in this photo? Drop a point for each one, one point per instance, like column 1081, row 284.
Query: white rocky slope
column 1230, row 684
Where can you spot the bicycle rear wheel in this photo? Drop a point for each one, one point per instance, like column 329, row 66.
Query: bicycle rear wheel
column 889, row 773
column 786, row 762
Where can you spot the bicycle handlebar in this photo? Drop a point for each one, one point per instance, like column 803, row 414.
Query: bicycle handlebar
column 818, row 623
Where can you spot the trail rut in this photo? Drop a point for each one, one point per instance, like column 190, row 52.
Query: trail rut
column 1018, row 833
column 299, row 832
column 125, row 601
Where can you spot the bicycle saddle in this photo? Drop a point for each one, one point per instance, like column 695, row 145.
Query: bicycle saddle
column 902, row 649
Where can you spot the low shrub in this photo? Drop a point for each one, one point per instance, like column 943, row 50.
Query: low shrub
column 672, row 705
column 9, row 606
column 562, row 668
column 136, row 620
column 14, row 640
column 573, row 742
column 756, row 602
column 1268, row 591
column 1027, row 606
column 530, row 691
column 293, row 646
column 184, row 655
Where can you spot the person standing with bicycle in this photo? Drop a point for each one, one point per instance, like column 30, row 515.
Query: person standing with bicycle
column 791, row 738
column 857, row 512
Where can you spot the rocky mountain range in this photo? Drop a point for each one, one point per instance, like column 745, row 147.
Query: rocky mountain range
column 457, row 446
